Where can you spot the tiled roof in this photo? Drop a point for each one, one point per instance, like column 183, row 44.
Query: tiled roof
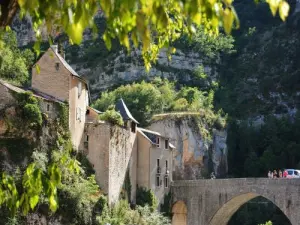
column 97, row 111
column 124, row 111
column 34, row 92
column 150, row 131
column 151, row 136
column 12, row 87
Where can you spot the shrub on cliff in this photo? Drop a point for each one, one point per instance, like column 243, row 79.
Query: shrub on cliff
column 33, row 113
column 112, row 116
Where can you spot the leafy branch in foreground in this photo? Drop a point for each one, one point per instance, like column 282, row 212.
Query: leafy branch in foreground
column 37, row 183
column 155, row 24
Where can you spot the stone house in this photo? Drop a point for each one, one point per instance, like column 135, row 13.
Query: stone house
column 118, row 154
column 53, row 77
column 155, row 162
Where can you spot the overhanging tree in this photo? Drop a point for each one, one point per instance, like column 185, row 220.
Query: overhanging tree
column 153, row 24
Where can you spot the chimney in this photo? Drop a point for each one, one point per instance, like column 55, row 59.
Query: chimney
column 55, row 48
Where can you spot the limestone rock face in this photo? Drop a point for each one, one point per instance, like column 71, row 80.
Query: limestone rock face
column 123, row 68
column 194, row 157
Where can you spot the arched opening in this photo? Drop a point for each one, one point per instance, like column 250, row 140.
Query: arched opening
column 258, row 211
column 228, row 214
column 179, row 212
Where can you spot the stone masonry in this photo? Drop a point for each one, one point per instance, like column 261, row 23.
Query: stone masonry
column 213, row 202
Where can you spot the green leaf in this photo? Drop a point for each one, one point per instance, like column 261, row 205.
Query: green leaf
column 228, row 18
column 273, row 5
column 107, row 40
column 284, row 10
column 38, row 69
column 53, row 203
column 33, row 201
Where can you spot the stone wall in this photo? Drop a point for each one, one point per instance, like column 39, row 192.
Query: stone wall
column 120, row 153
column 97, row 151
column 194, row 156
column 213, row 202
column 48, row 79
column 112, row 150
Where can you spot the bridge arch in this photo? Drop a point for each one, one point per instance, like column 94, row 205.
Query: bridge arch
column 214, row 202
column 224, row 214
column 179, row 211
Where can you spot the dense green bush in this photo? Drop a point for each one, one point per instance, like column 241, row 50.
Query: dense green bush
column 112, row 116
column 33, row 114
column 122, row 214
column 15, row 64
column 78, row 197
column 166, row 206
column 146, row 197
column 159, row 96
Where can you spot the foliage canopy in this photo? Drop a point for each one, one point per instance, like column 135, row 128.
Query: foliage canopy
column 155, row 24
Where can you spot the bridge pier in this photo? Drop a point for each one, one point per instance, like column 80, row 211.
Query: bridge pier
column 213, row 202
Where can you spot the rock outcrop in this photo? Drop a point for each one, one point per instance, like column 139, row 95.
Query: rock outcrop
column 194, row 156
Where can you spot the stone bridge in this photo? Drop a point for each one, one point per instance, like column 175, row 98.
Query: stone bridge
column 213, row 202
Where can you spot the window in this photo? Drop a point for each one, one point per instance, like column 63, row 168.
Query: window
column 157, row 141
column 296, row 172
column 78, row 114
column 133, row 125
column 57, row 66
column 158, row 166
column 48, row 107
column 166, row 182
column 157, row 181
column 86, row 143
column 79, row 89
column 166, row 164
column 87, row 112
column 166, row 144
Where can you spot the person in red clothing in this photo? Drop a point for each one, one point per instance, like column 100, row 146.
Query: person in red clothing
column 285, row 174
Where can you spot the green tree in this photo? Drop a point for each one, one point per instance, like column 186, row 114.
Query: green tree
column 146, row 197
column 154, row 24
column 14, row 63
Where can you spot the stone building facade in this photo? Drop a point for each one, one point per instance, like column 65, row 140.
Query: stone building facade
column 116, row 150
column 118, row 154
column 155, row 162
column 53, row 77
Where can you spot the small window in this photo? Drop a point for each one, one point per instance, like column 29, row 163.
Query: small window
column 79, row 89
column 166, row 144
column 78, row 114
column 87, row 112
column 157, row 183
column 157, row 162
column 48, row 107
column 87, row 138
column 157, row 141
column 166, row 182
column 296, row 172
column 166, row 164
column 133, row 126
column 57, row 66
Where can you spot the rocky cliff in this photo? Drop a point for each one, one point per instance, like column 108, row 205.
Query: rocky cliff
column 195, row 156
